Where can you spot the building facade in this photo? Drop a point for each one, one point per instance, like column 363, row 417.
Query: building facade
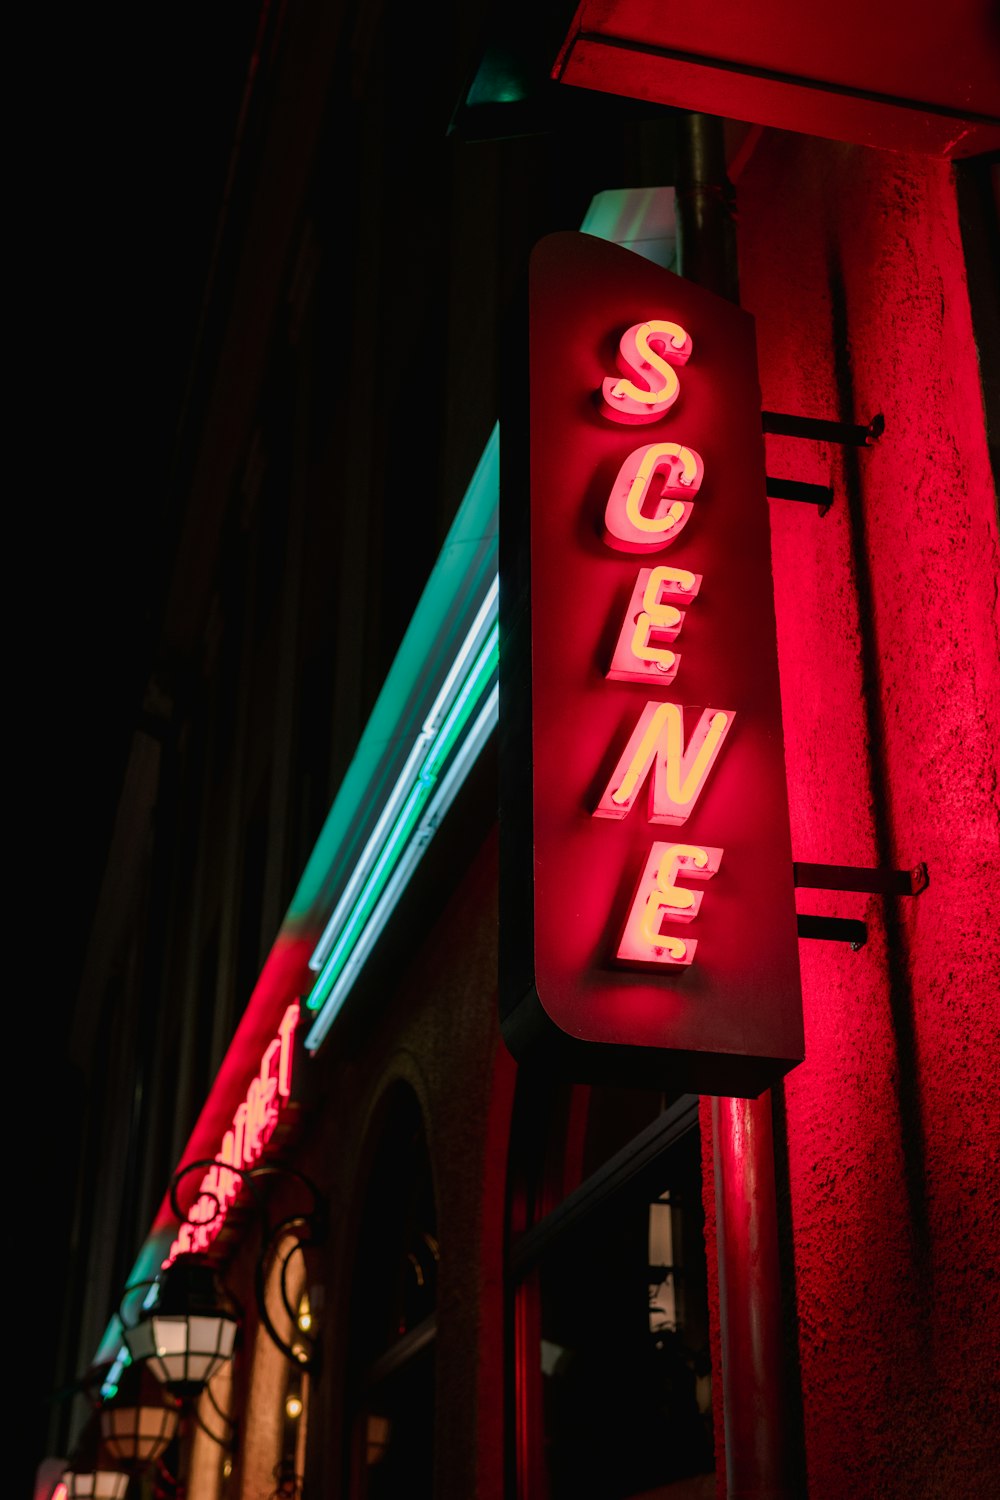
column 516, row 1281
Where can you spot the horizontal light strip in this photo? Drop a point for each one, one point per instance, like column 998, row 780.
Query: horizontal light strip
column 451, row 783
column 419, row 793
column 421, row 790
column 485, row 618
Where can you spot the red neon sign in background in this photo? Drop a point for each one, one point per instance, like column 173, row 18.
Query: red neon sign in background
column 734, row 1013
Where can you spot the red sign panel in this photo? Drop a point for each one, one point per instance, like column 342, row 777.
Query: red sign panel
column 662, row 929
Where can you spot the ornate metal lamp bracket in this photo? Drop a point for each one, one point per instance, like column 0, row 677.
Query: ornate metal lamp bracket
column 306, row 1226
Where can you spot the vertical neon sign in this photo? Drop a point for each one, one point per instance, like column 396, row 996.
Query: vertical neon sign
column 657, row 939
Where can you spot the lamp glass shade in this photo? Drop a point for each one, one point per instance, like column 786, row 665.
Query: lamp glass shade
column 95, row 1484
column 138, row 1434
column 190, row 1333
column 186, row 1352
column 170, row 1335
column 91, row 1473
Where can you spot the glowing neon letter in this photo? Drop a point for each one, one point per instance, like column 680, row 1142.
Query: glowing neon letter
column 253, row 1125
column 631, row 524
column 637, row 658
column 262, row 1112
column 649, row 351
column 679, row 773
column 183, row 1240
column 657, row 898
column 229, row 1181
column 286, row 1032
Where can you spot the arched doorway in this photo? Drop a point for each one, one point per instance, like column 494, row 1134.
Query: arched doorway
column 393, row 1324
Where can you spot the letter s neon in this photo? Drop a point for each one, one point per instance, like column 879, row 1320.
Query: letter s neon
column 648, row 351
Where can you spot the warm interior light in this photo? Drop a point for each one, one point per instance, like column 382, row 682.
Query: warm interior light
column 663, row 1290
column 293, row 1407
column 378, row 1430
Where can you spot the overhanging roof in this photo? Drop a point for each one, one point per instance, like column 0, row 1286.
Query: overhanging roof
column 904, row 75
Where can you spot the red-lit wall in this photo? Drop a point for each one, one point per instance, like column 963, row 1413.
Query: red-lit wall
column 851, row 261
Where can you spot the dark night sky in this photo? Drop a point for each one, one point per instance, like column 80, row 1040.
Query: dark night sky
column 127, row 125
column 124, row 126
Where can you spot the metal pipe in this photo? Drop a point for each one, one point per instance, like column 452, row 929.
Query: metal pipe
column 706, row 227
column 749, row 1300
column 757, row 1449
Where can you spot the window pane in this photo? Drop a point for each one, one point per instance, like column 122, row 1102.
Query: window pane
column 624, row 1349
column 396, row 1433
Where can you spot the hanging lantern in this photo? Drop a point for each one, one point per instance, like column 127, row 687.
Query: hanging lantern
column 137, row 1424
column 95, row 1484
column 92, row 1473
column 191, row 1331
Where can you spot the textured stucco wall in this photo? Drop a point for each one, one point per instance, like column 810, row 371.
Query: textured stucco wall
column 850, row 260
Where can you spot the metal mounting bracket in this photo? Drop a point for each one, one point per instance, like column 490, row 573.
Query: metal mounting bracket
column 820, row 495
column 861, row 878
column 834, row 930
column 851, row 434
column 852, row 878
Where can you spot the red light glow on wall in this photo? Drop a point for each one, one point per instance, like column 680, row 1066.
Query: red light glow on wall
column 630, row 946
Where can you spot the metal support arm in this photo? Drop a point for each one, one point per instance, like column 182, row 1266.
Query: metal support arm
column 861, row 878
column 851, row 434
column 797, row 489
column 852, row 878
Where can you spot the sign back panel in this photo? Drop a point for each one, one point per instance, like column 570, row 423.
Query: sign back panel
column 648, row 928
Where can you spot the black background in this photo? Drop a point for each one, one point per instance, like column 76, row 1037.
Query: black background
column 123, row 124
column 126, row 128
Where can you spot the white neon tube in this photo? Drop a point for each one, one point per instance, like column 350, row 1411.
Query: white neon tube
column 451, row 783
column 485, row 617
